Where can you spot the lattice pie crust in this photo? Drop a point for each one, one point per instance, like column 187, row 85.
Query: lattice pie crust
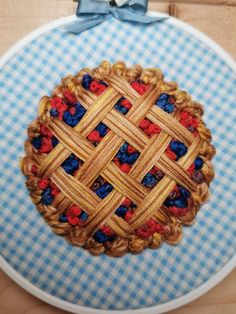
column 118, row 160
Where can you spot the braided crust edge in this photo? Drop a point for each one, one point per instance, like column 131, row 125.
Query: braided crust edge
column 77, row 236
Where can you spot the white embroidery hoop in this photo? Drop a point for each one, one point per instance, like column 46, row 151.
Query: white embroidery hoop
column 215, row 279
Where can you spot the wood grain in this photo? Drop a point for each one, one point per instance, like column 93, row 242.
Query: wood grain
column 219, row 300
column 18, row 18
column 231, row 3
column 217, row 22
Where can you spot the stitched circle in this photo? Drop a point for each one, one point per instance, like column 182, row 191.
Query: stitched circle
column 114, row 180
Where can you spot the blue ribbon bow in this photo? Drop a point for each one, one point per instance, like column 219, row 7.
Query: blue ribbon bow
column 99, row 11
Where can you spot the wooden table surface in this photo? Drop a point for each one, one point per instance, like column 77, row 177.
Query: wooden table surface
column 18, row 18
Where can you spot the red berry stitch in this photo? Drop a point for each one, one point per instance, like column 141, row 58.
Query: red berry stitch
column 144, row 124
column 43, row 183
column 94, row 136
column 70, row 97
column 46, row 145
column 125, row 167
column 131, row 149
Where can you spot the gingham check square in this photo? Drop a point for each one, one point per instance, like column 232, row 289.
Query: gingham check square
column 71, row 273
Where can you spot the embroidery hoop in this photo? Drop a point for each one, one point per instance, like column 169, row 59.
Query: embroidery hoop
column 155, row 309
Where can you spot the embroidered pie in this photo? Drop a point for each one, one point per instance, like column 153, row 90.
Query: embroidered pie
column 118, row 160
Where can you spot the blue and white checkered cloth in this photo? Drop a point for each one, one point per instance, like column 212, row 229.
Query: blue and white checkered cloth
column 153, row 277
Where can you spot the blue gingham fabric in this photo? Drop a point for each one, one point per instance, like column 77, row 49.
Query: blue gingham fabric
column 130, row 282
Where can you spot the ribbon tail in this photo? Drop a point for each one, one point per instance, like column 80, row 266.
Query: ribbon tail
column 80, row 26
column 128, row 15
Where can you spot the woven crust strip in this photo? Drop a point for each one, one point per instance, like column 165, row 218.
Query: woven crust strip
column 159, row 193
column 99, row 161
